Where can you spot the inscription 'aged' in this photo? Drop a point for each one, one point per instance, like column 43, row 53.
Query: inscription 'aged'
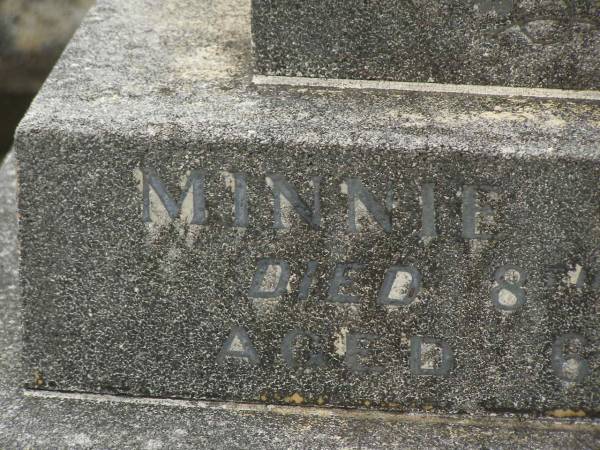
column 428, row 355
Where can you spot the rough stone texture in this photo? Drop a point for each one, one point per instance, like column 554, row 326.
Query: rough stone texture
column 116, row 305
column 107, row 422
column 539, row 43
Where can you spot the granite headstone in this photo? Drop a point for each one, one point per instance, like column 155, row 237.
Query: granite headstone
column 184, row 233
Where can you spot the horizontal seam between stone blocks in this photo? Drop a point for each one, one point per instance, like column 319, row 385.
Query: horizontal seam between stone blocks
column 497, row 91
column 327, row 412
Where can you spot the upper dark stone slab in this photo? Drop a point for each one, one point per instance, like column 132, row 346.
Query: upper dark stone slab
column 539, row 43
column 353, row 248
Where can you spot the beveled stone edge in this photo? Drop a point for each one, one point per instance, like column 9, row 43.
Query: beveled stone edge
column 382, row 85
column 549, row 423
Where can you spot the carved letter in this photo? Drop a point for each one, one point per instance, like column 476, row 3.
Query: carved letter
column 286, row 199
column 357, row 348
column 191, row 205
column 340, row 280
column 472, row 212
column 238, row 346
column 430, row 356
column 361, row 202
column 568, row 365
column 236, row 182
column 400, row 286
column 297, row 349
column 270, row 280
column 307, row 280
column 428, row 229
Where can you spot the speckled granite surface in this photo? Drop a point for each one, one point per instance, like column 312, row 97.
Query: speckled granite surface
column 451, row 266
column 131, row 298
column 107, row 422
column 547, row 43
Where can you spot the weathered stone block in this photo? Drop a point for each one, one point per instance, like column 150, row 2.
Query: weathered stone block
column 489, row 42
column 187, row 234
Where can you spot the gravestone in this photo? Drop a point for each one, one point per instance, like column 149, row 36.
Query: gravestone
column 539, row 43
column 185, row 233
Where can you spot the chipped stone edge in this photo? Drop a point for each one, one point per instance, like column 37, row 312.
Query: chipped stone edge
column 502, row 421
column 498, row 91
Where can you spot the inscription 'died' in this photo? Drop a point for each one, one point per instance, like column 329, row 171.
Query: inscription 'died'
column 401, row 283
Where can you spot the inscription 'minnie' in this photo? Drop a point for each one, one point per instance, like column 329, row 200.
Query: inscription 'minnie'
column 362, row 205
